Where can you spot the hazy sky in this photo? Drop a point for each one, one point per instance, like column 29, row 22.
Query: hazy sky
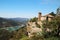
column 27, row 8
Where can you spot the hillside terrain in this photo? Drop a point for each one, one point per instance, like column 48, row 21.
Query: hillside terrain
column 22, row 20
column 4, row 22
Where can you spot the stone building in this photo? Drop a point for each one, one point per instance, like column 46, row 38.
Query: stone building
column 47, row 17
column 32, row 27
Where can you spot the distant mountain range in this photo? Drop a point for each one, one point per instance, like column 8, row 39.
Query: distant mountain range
column 19, row 19
column 22, row 20
column 7, row 22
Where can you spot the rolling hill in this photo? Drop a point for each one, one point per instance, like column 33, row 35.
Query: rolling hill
column 4, row 22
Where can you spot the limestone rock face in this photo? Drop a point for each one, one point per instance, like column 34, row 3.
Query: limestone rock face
column 32, row 28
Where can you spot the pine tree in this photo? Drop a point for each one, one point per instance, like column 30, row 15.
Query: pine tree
column 58, row 11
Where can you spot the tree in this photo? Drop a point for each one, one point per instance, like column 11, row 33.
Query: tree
column 58, row 23
column 53, row 25
column 52, row 13
column 33, row 19
column 58, row 11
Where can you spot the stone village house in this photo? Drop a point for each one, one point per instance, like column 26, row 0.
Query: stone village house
column 32, row 28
